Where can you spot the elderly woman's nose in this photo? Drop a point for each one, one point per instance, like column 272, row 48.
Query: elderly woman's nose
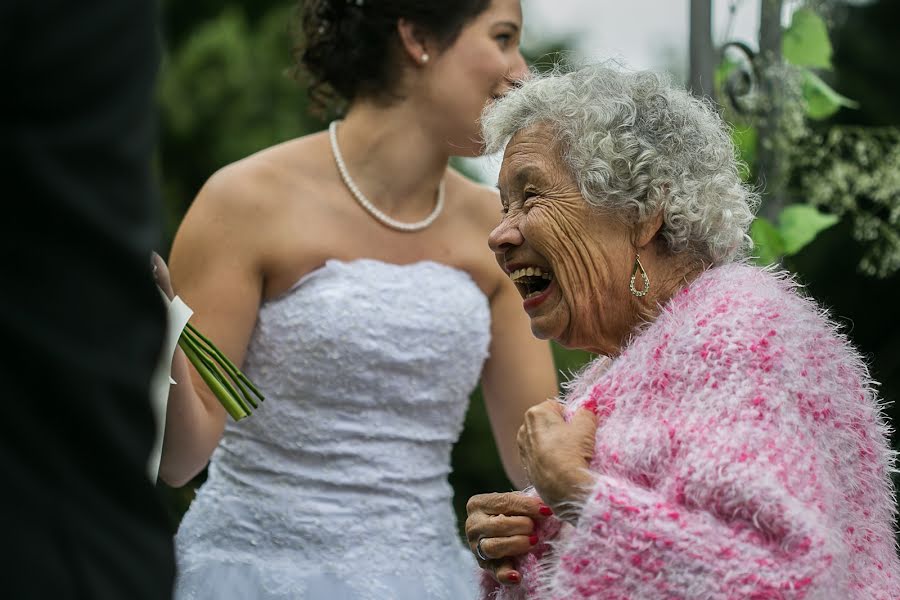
column 504, row 236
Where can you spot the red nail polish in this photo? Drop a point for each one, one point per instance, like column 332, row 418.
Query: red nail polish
column 545, row 510
column 513, row 577
column 533, row 540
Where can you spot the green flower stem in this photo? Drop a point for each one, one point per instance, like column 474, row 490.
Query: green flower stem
column 221, row 388
column 228, row 364
column 222, row 378
column 222, row 361
column 231, row 387
column 215, row 368
column 228, row 401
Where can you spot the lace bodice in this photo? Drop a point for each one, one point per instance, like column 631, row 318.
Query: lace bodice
column 366, row 367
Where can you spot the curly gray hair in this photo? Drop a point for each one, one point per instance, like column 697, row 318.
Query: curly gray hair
column 637, row 144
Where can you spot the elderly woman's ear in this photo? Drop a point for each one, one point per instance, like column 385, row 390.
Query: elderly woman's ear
column 647, row 231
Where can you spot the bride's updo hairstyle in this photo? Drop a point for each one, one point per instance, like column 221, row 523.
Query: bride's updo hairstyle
column 351, row 48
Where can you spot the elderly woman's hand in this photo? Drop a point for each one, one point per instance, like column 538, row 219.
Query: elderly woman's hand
column 556, row 455
column 500, row 527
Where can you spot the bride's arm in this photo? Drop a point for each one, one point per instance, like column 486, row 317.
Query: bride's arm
column 518, row 375
column 215, row 269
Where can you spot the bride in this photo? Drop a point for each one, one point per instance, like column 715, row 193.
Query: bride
column 348, row 271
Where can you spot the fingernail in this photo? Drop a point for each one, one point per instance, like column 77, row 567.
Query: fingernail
column 513, row 577
column 545, row 510
column 533, row 540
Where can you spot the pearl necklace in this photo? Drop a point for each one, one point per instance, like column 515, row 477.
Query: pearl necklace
column 371, row 208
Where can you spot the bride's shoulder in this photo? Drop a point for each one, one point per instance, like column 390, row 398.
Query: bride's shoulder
column 265, row 182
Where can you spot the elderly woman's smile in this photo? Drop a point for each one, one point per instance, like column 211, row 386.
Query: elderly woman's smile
column 567, row 259
column 533, row 282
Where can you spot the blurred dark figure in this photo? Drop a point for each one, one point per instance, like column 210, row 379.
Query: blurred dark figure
column 80, row 319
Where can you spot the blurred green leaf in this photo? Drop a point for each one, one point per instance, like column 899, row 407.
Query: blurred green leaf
column 799, row 224
column 744, row 138
column 821, row 100
column 805, row 42
column 768, row 245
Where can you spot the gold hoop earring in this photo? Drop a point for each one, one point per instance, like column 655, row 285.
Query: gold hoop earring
column 639, row 267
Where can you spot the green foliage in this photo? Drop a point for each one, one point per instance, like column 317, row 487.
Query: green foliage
column 806, row 45
column 806, row 97
column 798, row 225
column 854, row 173
column 821, row 99
column 849, row 173
column 768, row 245
column 744, row 138
column 224, row 94
column 805, row 42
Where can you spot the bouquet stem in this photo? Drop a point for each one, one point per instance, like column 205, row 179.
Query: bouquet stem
column 231, row 387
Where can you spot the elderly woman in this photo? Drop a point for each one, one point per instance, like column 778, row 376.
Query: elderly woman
column 728, row 442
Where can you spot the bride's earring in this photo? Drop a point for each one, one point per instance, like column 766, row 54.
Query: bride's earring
column 425, row 58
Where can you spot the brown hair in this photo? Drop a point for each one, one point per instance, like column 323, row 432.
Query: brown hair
column 349, row 47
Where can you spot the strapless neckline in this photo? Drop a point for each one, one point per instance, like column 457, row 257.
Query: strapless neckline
column 353, row 263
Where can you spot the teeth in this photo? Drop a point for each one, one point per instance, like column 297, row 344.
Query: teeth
column 533, row 294
column 529, row 272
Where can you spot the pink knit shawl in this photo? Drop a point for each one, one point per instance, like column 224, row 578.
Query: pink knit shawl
column 741, row 453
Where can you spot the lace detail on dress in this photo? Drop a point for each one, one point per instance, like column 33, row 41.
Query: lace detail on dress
column 337, row 486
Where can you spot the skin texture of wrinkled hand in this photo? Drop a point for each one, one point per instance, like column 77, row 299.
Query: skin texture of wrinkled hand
column 556, row 455
column 505, row 526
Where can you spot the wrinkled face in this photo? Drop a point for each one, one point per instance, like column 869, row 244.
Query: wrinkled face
column 571, row 263
column 481, row 65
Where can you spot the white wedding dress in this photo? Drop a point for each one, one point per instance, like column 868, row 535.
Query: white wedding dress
column 336, row 488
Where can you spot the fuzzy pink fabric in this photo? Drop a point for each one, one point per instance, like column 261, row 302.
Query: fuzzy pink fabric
column 741, row 453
